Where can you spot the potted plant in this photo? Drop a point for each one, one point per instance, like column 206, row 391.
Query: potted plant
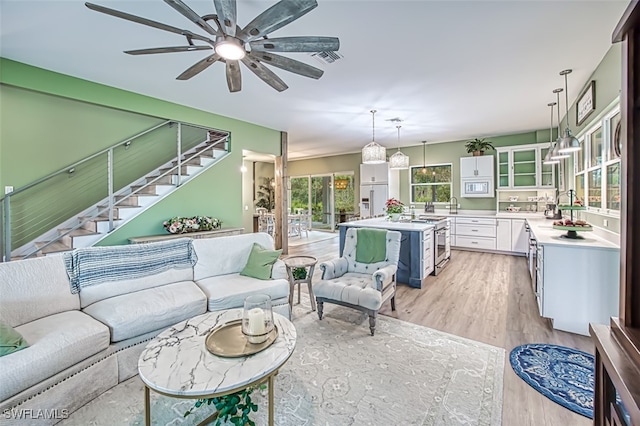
column 478, row 146
column 394, row 209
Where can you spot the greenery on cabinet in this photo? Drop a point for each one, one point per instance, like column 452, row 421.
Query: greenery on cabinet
column 478, row 146
column 267, row 194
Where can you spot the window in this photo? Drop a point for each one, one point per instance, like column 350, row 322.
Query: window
column 434, row 185
column 597, row 169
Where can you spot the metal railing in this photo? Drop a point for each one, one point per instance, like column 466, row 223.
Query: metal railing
column 97, row 185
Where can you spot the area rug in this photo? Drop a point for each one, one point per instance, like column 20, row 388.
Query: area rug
column 341, row 375
column 564, row 375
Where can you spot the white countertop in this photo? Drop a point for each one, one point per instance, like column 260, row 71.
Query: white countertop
column 546, row 235
column 383, row 223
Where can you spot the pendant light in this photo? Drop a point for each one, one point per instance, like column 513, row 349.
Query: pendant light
column 424, row 158
column 399, row 161
column 556, row 154
column 547, row 158
column 374, row 153
column 568, row 143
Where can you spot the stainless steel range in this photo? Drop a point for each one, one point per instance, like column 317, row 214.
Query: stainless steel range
column 442, row 239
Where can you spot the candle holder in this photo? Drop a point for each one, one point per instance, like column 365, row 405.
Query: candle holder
column 257, row 318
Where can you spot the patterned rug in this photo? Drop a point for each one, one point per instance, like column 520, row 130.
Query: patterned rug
column 340, row 375
column 564, row 375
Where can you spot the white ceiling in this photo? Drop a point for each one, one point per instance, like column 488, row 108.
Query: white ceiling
column 450, row 69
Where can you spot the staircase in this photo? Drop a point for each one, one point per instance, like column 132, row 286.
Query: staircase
column 94, row 223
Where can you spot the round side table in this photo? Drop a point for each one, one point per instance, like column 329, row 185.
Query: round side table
column 307, row 262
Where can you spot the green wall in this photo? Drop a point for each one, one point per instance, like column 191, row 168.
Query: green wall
column 49, row 120
column 436, row 153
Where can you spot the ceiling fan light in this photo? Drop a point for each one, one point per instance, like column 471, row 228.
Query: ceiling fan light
column 229, row 48
column 569, row 143
column 374, row 153
column 399, row 161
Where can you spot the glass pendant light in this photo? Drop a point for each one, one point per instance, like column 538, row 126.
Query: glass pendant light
column 374, row 153
column 547, row 158
column 424, row 158
column 555, row 153
column 568, row 143
column 399, row 161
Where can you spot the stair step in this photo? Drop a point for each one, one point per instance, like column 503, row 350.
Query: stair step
column 164, row 180
column 78, row 232
column 56, row 247
column 144, row 190
column 193, row 162
column 174, row 171
column 127, row 200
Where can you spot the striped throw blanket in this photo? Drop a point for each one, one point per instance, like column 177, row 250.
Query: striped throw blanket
column 95, row 265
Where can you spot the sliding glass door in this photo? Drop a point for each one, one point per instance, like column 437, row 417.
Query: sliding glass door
column 329, row 198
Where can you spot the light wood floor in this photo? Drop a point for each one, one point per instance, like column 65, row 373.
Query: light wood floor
column 485, row 297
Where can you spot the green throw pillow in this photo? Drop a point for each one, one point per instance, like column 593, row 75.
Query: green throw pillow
column 10, row 340
column 260, row 262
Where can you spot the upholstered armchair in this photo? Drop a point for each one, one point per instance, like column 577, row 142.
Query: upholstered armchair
column 365, row 276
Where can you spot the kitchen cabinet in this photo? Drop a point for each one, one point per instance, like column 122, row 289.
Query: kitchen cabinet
column 522, row 166
column 476, row 233
column 428, row 253
column 374, row 173
column 503, row 235
column 471, row 167
column 519, row 236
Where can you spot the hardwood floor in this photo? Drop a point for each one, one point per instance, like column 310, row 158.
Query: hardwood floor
column 485, row 297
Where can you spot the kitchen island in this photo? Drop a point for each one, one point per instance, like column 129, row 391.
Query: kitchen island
column 416, row 260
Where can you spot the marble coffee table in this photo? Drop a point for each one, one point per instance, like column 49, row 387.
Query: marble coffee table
column 176, row 363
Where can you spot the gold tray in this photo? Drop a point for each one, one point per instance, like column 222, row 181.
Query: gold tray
column 229, row 342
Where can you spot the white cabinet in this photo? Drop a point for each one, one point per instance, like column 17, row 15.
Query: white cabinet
column 521, row 166
column 480, row 166
column 427, row 260
column 476, row 233
column 374, row 173
column 519, row 236
column 503, row 235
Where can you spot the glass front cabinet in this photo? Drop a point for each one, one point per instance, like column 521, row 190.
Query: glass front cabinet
column 521, row 167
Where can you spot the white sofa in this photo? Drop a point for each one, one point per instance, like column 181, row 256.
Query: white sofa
column 80, row 345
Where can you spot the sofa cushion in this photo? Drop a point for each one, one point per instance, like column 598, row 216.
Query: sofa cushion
column 229, row 291
column 260, row 262
column 98, row 292
column 226, row 255
column 56, row 342
column 136, row 313
column 34, row 288
column 10, row 340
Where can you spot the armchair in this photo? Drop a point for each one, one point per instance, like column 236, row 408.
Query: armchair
column 362, row 278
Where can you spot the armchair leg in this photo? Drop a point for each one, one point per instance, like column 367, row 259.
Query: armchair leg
column 320, row 307
column 372, row 322
column 393, row 302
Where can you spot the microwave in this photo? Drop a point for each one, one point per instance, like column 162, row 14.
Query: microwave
column 478, row 188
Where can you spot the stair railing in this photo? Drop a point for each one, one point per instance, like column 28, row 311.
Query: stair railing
column 25, row 214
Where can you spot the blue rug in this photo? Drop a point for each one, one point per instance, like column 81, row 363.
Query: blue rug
column 564, row 375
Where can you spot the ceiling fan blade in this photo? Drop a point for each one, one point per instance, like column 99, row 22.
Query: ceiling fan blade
column 145, row 21
column 198, row 67
column 288, row 64
column 226, row 10
column 265, row 74
column 277, row 16
column 296, row 44
column 191, row 15
column 166, row 50
column 234, row 79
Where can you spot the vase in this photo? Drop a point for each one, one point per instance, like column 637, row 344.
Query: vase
column 394, row 217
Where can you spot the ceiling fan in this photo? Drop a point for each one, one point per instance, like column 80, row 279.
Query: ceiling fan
column 233, row 44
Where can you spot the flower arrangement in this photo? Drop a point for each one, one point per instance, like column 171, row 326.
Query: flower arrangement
column 394, row 206
column 181, row 225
